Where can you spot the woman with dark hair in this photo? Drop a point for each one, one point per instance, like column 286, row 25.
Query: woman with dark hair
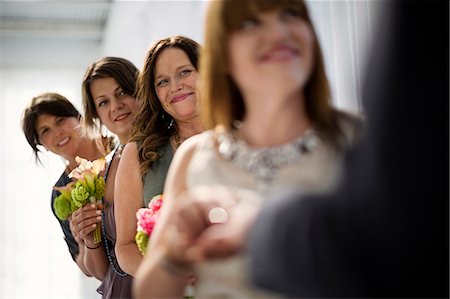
column 167, row 88
column 109, row 88
column 52, row 122
column 265, row 101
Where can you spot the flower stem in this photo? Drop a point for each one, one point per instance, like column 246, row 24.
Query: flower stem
column 97, row 235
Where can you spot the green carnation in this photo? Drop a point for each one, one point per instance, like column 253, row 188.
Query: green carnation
column 141, row 241
column 73, row 206
column 99, row 188
column 80, row 194
column 62, row 207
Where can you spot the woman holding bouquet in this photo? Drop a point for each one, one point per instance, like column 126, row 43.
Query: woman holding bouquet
column 167, row 88
column 108, row 89
column 266, row 100
column 52, row 122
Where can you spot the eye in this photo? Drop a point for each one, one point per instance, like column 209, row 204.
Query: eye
column 121, row 93
column 60, row 120
column 102, row 102
column 161, row 83
column 248, row 23
column 42, row 133
column 290, row 13
column 185, row 73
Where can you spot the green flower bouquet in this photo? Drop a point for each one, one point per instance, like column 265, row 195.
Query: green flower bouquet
column 89, row 187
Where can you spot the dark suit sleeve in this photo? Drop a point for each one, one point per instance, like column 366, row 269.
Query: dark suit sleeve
column 384, row 231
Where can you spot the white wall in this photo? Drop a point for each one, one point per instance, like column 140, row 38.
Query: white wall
column 134, row 25
column 34, row 260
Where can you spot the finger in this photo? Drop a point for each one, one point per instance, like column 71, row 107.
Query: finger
column 190, row 220
column 89, row 222
column 218, row 241
column 176, row 244
column 89, row 214
column 86, row 233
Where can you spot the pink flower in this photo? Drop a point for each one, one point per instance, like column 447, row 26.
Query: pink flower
column 156, row 203
column 147, row 217
column 146, row 220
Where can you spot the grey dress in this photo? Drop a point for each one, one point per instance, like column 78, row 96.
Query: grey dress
column 154, row 179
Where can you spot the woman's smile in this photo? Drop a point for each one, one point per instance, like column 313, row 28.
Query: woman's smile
column 280, row 53
column 180, row 97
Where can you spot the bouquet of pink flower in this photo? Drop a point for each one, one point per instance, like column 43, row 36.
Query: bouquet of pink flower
column 88, row 188
column 146, row 220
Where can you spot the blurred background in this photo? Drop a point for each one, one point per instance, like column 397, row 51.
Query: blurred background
column 46, row 46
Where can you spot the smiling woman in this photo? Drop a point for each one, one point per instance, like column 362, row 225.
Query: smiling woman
column 109, row 86
column 168, row 115
column 52, row 122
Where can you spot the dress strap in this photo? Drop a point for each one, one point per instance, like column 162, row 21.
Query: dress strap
column 109, row 159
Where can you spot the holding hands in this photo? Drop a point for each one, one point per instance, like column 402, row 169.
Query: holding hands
column 210, row 222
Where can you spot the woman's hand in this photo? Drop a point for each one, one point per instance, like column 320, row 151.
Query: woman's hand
column 211, row 222
column 83, row 222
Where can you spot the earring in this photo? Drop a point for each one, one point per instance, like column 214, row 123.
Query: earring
column 103, row 131
column 170, row 124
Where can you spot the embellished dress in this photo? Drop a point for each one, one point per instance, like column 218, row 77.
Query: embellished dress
column 116, row 283
column 308, row 164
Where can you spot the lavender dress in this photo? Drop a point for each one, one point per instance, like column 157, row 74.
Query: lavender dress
column 116, row 284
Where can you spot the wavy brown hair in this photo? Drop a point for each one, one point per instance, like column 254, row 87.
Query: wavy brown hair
column 120, row 69
column 152, row 127
column 222, row 102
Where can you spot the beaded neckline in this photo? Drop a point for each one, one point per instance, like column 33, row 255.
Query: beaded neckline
column 264, row 162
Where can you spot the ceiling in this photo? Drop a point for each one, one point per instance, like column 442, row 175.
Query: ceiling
column 45, row 33
column 54, row 19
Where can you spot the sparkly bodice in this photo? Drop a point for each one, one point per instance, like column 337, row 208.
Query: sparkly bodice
column 263, row 163
column 307, row 164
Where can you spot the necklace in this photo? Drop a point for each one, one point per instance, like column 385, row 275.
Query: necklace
column 264, row 162
column 116, row 268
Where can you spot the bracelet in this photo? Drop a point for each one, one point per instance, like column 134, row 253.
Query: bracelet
column 99, row 244
column 175, row 268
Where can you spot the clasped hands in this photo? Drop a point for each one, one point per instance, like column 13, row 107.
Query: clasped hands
column 208, row 223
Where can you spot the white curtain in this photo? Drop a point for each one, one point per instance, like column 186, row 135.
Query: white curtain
column 345, row 31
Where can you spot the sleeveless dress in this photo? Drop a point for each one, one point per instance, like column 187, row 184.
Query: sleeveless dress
column 116, row 283
column 219, row 159
column 154, row 179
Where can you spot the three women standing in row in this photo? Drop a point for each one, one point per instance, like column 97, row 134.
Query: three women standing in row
column 167, row 116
